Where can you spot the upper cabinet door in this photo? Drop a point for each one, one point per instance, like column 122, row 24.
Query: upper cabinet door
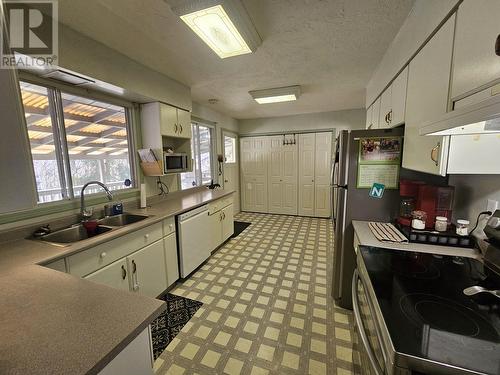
column 168, row 121
column 369, row 112
column 376, row 114
column 385, row 109
column 184, row 124
column 427, row 98
column 398, row 99
column 475, row 62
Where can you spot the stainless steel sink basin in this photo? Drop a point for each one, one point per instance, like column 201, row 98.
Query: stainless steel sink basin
column 73, row 234
column 121, row 220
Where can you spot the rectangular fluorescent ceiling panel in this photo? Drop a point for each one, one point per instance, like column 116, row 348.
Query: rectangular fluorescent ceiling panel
column 277, row 95
column 223, row 25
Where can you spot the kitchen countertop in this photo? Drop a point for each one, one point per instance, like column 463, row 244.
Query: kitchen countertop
column 367, row 238
column 55, row 323
column 24, row 252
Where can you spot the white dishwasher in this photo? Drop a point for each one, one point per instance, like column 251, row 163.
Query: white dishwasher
column 194, row 239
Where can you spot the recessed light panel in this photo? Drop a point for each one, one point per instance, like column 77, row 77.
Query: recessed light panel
column 216, row 29
column 276, row 95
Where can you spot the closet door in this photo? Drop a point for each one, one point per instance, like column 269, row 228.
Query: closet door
column 289, row 176
column 275, row 175
column 306, row 174
column 254, row 173
column 322, row 175
column 282, row 164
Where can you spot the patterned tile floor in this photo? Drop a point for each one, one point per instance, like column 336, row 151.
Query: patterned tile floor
column 267, row 306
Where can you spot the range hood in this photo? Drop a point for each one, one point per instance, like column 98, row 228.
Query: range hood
column 478, row 118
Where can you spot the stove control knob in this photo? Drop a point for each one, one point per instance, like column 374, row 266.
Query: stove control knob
column 494, row 222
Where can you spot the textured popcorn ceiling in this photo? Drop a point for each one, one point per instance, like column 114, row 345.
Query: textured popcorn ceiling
column 329, row 47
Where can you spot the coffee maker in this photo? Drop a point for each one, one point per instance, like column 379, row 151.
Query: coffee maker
column 433, row 200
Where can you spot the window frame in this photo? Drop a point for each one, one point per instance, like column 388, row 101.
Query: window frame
column 54, row 93
column 213, row 156
column 229, row 134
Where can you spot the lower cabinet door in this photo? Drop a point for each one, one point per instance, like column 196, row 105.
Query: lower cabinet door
column 114, row 275
column 171, row 259
column 215, row 230
column 147, row 268
column 227, row 222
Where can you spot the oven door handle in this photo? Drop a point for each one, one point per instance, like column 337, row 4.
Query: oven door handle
column 361, row 329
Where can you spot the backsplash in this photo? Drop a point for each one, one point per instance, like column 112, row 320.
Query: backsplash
column 472, row 193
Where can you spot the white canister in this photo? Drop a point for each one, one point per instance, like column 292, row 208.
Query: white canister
column 441, row 224
column 463, row 227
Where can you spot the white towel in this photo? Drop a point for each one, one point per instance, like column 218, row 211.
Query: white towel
column 386, row 232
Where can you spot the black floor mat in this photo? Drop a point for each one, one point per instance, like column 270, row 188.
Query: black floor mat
column 164, row 328
column 239, row 226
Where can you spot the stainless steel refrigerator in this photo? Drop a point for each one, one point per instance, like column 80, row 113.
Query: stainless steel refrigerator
column 351, row 204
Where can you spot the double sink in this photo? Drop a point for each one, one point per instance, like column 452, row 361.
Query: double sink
column 78, row 232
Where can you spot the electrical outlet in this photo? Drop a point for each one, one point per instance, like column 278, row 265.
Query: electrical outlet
column 492, row 205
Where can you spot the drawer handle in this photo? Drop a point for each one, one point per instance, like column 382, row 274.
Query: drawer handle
column 103, row 254
column 434, row 153
column 124, row 273
column 146, row 237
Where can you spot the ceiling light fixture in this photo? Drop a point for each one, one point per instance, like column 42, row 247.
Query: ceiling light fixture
column 223, row 25
column 276, row 95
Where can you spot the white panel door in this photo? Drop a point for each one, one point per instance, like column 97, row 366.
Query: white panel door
column 147, row 270
column 254, row 176
column 114, row 275
column 322, row 175
column 275, row 174
column 427, row 99
column 289, row 177
column 306, row 151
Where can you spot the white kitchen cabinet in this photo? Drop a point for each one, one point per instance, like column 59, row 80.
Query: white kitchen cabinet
column 368, row 120
column 227, row 228
column 372, row 115
column 282, row 175
column 115, row 275
column 58, row 265
column 315, row 160
column 393, row 102
column 475, row 63
column 427, row 98
column 385, row 108
column 135, row 359
column 221, row 221
column 184, row 123
column 171, row 258
column 147, row 270
column 166, row 120
column 376, row 114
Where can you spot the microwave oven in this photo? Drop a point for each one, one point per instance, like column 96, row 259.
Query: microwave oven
column 175, row 162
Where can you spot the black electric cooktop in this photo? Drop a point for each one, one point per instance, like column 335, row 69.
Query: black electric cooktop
column 426, row 312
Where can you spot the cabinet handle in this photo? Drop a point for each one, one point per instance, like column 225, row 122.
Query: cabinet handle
column 223, row 216
column 103, row 254
column 134, row 267
column 124, row 273
column 390, row 116
column 176, row 128
column 497, row 45
column 180, row 126
column 434, row 153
